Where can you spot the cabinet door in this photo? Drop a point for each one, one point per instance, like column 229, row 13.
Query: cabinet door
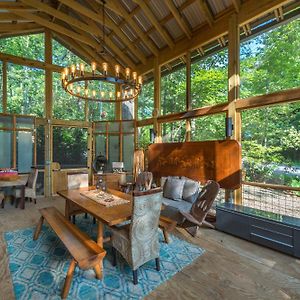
column 233, row 223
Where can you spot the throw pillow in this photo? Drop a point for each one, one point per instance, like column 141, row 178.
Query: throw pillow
column 173, row 188
column 163, row 181
column 191, row 190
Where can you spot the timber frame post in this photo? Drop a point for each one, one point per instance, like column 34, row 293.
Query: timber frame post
column 157, row 101
column 234, row 86
column 188, row 96
column 48, row 114
column 4, row 86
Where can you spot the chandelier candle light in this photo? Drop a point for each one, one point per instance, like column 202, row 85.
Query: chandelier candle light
column 73, row 78
column 129, row 87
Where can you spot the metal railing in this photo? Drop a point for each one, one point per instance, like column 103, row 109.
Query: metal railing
column 278, row 199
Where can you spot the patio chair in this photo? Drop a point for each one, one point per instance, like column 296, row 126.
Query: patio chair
column 30, row 188
column 138, row 242
column 2, row 199
column 143, row 181
column 200, row 208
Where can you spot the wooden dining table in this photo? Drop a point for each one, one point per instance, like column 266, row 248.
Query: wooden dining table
column 110, row 216
column 18, row 183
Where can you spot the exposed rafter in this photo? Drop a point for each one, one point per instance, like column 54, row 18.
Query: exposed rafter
column 98, row 18
column 9, row 17
column 15, row 6
column 237, row 4
column 181, row 22
column 155, row 22
column 60, row 29
column 9, row 27
column 120, row 10
column 206, row 11
column 249, row 11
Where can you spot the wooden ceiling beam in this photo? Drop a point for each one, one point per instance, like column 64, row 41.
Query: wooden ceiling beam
column 179, row 19
column 149, row 14
column 15, row 6
column 29, row 62
column 7, row 27
column 22, row 32
column 120, row 10
column 113, row 47
column 119, row 33
column 60, row 15
column 60, row 29
column 57, row 8
column 9, row 17
column 279, row 14
column 237, row 5
column 206, row 11
column 249, row 11
column 109, row 23
column 89, row 51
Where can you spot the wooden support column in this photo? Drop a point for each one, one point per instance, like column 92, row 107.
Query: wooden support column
column 14, row 143
column 188, row 96
column 136, row 107
column 48, row 114
column 86, row 111
column 4, row 86
column 234, row 86
column 118, row 105
column 90, row 153
column 118, row 108
column 157, row 102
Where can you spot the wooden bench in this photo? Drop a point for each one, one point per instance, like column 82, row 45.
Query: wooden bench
column 86, row 253
column 167, row 225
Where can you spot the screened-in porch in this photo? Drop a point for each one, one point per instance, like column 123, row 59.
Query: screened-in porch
column 149, row 149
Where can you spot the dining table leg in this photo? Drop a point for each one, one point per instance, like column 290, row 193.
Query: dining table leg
column 67, row 210
column 100, row 234
column 22, row 197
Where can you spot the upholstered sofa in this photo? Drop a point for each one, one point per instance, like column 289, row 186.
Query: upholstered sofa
column 179, row 193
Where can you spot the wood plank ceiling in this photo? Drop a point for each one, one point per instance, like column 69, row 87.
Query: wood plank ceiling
column 136, row 31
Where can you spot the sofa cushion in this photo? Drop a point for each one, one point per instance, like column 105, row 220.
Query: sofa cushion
column 164, row 179
column 191, row 190
column 172, row 209
column 180, row 205
column 173, row 188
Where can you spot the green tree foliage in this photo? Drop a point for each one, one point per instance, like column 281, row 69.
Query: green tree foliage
column 65, row 106
column 1, row 91
column 270, row 62
column 64, row 57
column 25, row 95
column 208, row 128
column 270, row 138
column 173, row 132
column 173, row 92
column 146, row 101
column 70, row 147
column 30, row 46
column 144, row 137
column 209, row 80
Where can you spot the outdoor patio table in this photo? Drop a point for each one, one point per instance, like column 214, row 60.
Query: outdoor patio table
column 19, row 183
column 105, row 215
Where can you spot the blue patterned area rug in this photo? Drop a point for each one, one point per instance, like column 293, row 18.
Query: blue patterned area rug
column 38, row 268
